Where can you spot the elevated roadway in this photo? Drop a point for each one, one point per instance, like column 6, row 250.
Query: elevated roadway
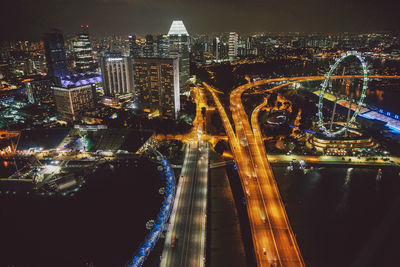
column 273, row 238
column 185, row 239
column 283, row 244
column 263, row 239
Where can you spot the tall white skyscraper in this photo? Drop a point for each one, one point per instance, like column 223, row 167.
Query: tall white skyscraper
column 216, row 47
column 117, row 72
column 233, row 45
column 179, row 48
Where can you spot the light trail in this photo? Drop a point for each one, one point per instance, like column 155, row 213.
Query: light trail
column 186, row 237
column 274, row 242
column 282, row 244
column 254, row 200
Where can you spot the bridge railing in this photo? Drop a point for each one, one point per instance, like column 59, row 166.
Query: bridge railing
column 160, row 223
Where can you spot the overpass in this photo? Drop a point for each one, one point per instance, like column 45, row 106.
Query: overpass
column 273, row 238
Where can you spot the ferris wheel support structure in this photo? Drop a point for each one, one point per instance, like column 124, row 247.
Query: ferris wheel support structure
column 350, row 119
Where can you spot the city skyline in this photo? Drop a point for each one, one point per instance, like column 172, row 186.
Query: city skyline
column 207, row 133
column 124, row 17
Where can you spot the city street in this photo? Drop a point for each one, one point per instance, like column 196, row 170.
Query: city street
column 185, row 239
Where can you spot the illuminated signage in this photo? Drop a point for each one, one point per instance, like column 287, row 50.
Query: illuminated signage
column 114, row 59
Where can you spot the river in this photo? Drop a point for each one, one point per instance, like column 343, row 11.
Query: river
column 102, row 225
column 335, row 211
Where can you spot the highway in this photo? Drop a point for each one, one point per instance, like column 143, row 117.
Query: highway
column 273, row 239
column 263, row 238
column 283, row 243
column 186, row 236
column 188, row 219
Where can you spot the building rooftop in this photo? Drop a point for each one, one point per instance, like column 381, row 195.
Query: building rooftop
column 42, row 138
column 80, row 79
column 177, row 28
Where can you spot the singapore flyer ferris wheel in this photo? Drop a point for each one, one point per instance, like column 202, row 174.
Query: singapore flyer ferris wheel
column 341, row 130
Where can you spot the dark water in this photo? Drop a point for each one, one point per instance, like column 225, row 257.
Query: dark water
column 335, row 211
column 102, row 224
column 383, row 94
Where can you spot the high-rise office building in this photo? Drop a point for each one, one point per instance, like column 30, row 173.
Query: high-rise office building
column 39, row 91
column 57, row 65
column 162, row 46
column 72, row 102
column 215, row 48
column 233, row 45
column 148, row 49
column 134, row 49
column 117, row 72
column 157, row 86
column 83, row 50
column 179, row 48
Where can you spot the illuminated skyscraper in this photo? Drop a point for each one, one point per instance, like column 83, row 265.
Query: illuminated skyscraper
column 179, row 48
column 83, row 50
column 72, row 102
column 134, row 49
column 162, row 46
column 157, row 86
column 57, row 65
column 215, row 48
column 148, row 49
column 117, row 72
column 233, row 45
column 39, row 91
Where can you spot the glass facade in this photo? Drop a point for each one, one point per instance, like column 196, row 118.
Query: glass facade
column 179, row 48
column 57, row 65
column 162, row 46
column 83, row 51
column 134, row 48
column 40, row 92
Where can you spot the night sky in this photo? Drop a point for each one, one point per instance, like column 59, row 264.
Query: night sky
column 28, row 19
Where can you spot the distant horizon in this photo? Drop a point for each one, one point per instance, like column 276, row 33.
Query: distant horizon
column 28, row 19
column 142, row 35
